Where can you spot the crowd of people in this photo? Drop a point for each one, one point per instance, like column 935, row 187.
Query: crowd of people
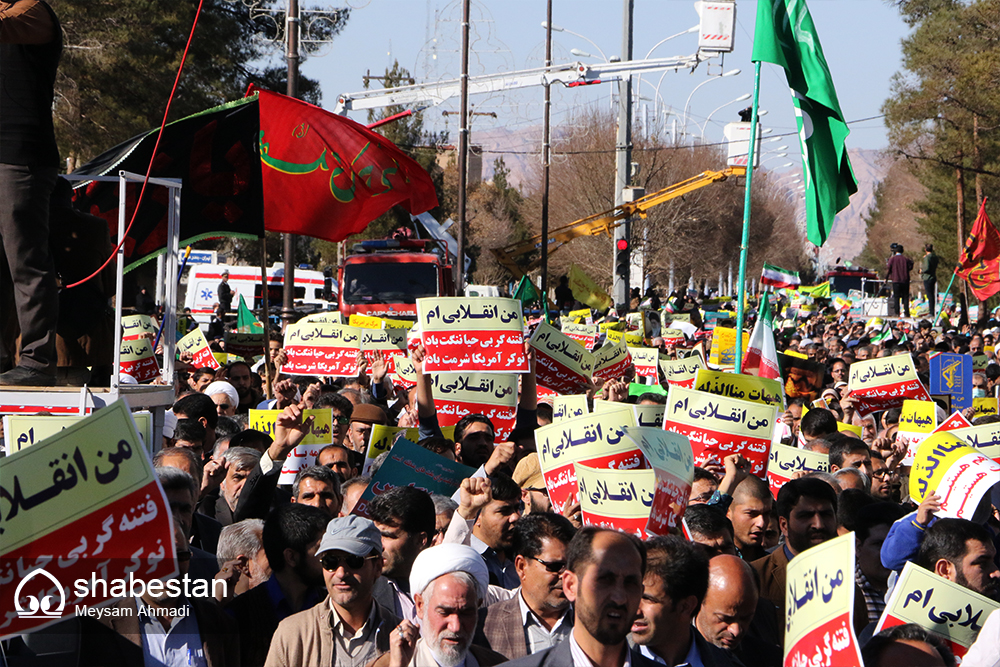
column 498, row 573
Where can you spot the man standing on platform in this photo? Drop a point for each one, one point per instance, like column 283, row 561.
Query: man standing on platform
column 898, row 273
column 30, row 47
column 225, row 294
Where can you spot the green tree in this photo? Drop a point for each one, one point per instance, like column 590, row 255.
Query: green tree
column 121, row 59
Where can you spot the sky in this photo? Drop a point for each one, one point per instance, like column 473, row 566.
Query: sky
column 861, row 40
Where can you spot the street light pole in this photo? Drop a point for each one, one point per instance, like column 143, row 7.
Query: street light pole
column 623, row 166
column 292, row 55
column 545, row 163
column 741, row 98
column 463, row 152
column 687, row 103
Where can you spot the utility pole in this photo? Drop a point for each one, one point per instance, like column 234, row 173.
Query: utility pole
column 463, row 152
column 545, row 162
column 623, row 164
column 292, row 37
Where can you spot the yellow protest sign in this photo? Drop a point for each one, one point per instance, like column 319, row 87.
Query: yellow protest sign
column 670, row 456
column 82, row 501
column 849, row 428
column 196, row 345
column 744, row 387
column 472, row 335
column 723, row 350
column 593, row 439
column 365, row 321
column 961, row 475
column 491, row 394
column 22, row 431
column 618, row 499
column 984, row 407
column 138, row 360
column 883, row 383
column 585, row 290
column 646, row 361
column 819, row 599
column 917, row 420
column 405, row 373
column 611, row 362
column 785, row 461
column 584, row 334
column 320, row 433
column 608, row 326
column 985, row 438
column 630, row 337
column 949, row 610
column 682, row 372
column 381, row 440
column 583, row 313
column 331, row 317
column 980, row 362
column 560, row 363
column 719, row 426
column 567, row 407
column 645, row 415
column 134, row 326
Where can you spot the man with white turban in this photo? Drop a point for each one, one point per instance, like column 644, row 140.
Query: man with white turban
column 448, row 582
column 225, row 397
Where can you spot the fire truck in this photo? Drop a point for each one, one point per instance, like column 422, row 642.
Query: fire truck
column 386, row 277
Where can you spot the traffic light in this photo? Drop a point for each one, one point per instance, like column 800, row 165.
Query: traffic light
column 622, row 258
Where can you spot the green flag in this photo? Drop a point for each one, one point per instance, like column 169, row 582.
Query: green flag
column 245, row 320
column 786, row 35
column 884, row 334
column 526, row 292
column 764, row 313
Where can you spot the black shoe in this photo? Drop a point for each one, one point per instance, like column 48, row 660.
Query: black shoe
column 26, row 377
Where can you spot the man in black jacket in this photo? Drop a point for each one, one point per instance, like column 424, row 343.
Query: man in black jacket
column 30, row 47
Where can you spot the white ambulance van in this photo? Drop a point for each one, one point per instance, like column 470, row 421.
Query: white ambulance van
column 203, row 283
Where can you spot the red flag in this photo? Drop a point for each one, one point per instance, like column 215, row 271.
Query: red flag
column 328, row 177
column 979, row 264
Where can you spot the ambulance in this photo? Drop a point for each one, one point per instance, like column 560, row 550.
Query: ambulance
column 313, row 290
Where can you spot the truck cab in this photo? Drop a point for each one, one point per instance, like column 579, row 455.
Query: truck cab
column 385, row 278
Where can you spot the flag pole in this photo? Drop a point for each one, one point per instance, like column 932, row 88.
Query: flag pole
column 744, row 244
column 946, row 293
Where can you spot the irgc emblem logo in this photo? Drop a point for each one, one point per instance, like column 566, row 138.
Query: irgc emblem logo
column 47, row 606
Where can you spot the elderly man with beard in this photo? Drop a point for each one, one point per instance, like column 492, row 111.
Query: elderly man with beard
column 727, row 613
column 604, row 582
column 349, row 628
column 539, row 616
column 448, row 582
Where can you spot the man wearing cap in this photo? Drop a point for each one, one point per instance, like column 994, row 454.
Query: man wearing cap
column 898, row 272
column 528, row 476
column 349, row 628
column 225, row 294
column 448, row 582
column 363, row 417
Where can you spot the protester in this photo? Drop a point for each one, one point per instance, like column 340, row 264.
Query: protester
column 962, row 552
column 749, row 511
column 319, row 487
column 338, row 459
column 674, row 586
column 909, row 645
column 405, row 517
column 898, row 273
column 448, row 583
column 225, row 397
column 241, row 556
column 348, row 628
column 604, row 583
column 728, row 609
column 539, row 616
column 290, row 537
column 711, row 529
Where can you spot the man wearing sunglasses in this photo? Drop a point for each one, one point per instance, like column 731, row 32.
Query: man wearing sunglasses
column 539, row 616
column 349, row 628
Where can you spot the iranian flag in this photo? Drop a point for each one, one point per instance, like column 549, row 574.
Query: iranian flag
column 778, row 277
column 762, row 356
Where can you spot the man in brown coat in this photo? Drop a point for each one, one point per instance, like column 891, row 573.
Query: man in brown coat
column 539, row 615
column 349, row 628
column 807, row 516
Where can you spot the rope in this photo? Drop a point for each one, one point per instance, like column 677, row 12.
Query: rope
column 149, row 169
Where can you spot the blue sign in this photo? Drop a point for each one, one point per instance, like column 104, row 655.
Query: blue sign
column 952, row 374
column 199, row 257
